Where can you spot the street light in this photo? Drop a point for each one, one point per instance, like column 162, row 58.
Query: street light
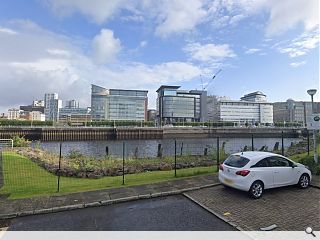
column 312, row 92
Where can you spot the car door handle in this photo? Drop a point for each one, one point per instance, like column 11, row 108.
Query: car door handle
column 276, row 172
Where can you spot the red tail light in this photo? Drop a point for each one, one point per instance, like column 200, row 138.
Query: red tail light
column 243, row 173
column 221, row 167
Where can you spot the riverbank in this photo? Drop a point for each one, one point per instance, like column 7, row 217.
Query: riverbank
column 144, row 133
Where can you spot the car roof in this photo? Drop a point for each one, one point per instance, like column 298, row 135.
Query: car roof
column 256, row 155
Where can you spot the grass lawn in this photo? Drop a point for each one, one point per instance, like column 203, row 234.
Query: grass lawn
column 301, row 156
column 24, row 178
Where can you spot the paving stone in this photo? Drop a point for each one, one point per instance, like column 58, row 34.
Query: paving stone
column 289, row 208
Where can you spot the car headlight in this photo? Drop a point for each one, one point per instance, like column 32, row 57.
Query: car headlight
column 307, row 167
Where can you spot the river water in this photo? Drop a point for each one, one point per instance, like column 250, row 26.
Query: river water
column 149, row 148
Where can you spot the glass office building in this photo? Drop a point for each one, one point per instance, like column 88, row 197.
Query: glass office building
column 52, row 105
column 175, row 105
column 118, row 104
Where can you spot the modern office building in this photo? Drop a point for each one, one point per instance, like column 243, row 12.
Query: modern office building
column 252, row 108
column 74, row 115
column 118, row 104
column 174, row 105
column 13, row 114
column 52, row 105
column 294, row 111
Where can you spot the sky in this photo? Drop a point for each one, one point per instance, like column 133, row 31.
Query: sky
column 64, row 46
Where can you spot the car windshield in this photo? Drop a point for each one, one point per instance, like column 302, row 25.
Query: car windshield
column 236, row 161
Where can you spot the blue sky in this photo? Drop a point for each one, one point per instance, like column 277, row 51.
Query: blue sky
column 64, row 46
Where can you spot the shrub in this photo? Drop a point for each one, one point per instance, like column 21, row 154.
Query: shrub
column 20, row 141
column 314, row 167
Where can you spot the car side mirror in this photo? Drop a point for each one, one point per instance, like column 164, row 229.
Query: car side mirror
column 294, row 165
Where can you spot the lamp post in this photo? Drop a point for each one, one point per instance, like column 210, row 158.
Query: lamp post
column 312, row 92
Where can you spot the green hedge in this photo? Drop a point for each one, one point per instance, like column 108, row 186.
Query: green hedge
column 120, row 123
column 6, row 122
column 207, row 124
column 288, row 124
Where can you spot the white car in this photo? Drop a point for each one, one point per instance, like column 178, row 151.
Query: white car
column 254, row 172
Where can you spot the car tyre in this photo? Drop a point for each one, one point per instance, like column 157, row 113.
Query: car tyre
column 256, row 189
column 304, row 181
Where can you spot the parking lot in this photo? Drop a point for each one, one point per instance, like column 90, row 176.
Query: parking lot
column 289, row 208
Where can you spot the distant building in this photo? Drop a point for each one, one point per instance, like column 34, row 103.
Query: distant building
column 175, row 105
column 36, row 106
column 74, row 116
column 52, row 106
column 252, row 108
column 151, row 115
column 13, row 114
column 38, row 103
column 118, row 104
column 72, row 104
column 36, row 116
column 294, row 111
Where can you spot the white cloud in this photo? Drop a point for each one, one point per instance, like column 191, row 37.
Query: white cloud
column 40, row 61
column 209, row 52
column 253, row 50
column 300, row 45
column 297, row 64
column 7, row 31
column 143, row 44
column 178, row 16
column 98, row 11
column 175, row 16
column 105, row 46
column 58, row 52
column 286, row 14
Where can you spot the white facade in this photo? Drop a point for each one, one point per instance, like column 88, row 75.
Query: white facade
column 255, row 109
column 245, row 112
column 13, row 113
column 37, row 116
column 38, row 103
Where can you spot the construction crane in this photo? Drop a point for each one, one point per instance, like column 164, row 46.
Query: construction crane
column 211, row 80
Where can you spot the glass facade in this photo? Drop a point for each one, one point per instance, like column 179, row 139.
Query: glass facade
column 118, row 104
column 180, row 106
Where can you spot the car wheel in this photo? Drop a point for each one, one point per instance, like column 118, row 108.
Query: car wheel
column 256, row 189
column 304, row 181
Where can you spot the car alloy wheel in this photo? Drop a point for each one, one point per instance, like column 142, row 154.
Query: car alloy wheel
column 304, row 181
column 256, row 189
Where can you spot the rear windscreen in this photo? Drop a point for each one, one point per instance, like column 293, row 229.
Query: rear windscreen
column 236, row 161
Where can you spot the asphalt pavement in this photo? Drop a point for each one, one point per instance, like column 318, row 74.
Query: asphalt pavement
column 172, row 213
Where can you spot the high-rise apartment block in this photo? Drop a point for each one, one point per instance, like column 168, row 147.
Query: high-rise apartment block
column 52, row 106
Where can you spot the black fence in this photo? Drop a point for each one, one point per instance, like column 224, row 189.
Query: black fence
column 63, row 167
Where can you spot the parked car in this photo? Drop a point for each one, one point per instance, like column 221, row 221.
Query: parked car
column 255, row 171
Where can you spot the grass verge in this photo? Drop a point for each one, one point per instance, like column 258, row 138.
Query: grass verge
column 24, row 178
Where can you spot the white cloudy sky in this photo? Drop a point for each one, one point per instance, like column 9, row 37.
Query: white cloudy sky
column 64, row 46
